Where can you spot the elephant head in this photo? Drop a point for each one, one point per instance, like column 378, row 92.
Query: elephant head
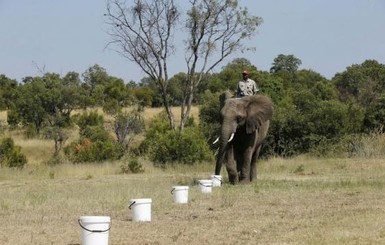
column 244, row 125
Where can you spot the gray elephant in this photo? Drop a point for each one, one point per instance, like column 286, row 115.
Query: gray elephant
column 244, row 125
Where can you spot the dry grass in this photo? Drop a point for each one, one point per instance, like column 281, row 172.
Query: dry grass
column 3, row 116
column 297, row 201
column 294, row 201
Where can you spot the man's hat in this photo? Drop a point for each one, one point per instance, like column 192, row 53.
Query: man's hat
column 246, row 72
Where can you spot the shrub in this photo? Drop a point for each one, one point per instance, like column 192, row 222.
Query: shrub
column 13, row 118
column 185, row 147
column 209, row 117
column 56, row 159
column 85, row 150
column 95, row 143
column 88, row 119
column 95, row 133
column 133, row 166
column 10, row 154
column 127, row 124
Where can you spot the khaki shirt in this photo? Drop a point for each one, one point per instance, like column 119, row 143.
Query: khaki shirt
column 248, row 87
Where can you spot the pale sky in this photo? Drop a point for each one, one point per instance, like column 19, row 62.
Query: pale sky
column 70, row 35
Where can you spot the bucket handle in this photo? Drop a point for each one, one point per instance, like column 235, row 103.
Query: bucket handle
column 215, row 177
column 205, row 185
column 173, row 189
column 93, row 231
column 129, row 207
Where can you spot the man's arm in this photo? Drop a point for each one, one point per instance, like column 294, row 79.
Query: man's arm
column 255, row 88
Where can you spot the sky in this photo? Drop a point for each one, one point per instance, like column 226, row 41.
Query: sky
column 62, row 36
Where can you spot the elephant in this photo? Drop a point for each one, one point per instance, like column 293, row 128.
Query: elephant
column 244, row 125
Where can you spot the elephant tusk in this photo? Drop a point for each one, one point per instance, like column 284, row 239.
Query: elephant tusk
column 231, row 137
column 216, row 152
column 215, row 141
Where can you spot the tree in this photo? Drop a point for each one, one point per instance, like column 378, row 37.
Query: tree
column 127, row 125
column 95, row 79
column 285, row 63
column 115, row 96
column 47, row 100
column 216, row 29
column 142, row 33
column 7, row 92
column 362, row 85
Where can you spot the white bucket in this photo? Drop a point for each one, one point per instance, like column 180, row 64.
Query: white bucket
column 141, row 209
column 180, row 194
column 205, row 185
column 217, row 180
column 95, row 229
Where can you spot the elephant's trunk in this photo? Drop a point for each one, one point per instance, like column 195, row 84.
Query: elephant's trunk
column 226, row 136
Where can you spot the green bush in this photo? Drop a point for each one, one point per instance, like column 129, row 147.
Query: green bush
column 95, row 144
column 86, row 150
column 209, row 117
column 95, row 133
column 185, row 147
column 90, row 119
column 133, row 166
column 157, row 126
column 10, row 154
column 56, row 159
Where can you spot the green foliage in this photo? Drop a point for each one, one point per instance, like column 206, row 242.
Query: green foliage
column 11, row 155
column 133, row 166
column 209, row 116
column 231, row 73
column 187, row 147
column 88, row 119
column 7, row 92
column 115, row 96
column 95, row 143
column 166, row 146
column 144, row 95
column 285, row 63
column 13, row 118
column 362, row 86
column 85, row 150
column 45, row 101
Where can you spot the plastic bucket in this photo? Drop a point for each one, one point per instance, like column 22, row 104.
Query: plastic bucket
column 95, row 229
column 206, row 186
column 217, row 180
column 141, row 209
column 180, row 194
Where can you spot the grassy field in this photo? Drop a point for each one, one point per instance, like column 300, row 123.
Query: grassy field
column 294, row 201
column 297, row 201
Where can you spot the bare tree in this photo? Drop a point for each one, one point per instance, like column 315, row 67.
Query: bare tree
column 142, row 32
column 216, row 30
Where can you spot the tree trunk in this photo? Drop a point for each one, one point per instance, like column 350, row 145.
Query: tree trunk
column 186, row 108
column 167, row 107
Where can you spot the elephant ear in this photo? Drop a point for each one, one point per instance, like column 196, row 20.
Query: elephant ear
column 259, row 110
column 223, row 97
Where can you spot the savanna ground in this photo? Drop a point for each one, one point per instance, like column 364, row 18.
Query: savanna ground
column 294, row 201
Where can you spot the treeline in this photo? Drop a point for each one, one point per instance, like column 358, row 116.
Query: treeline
column 312, row 114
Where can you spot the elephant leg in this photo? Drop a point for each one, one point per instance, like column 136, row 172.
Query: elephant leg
column 253, row 169
column 231, row 166
column 245, row 170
